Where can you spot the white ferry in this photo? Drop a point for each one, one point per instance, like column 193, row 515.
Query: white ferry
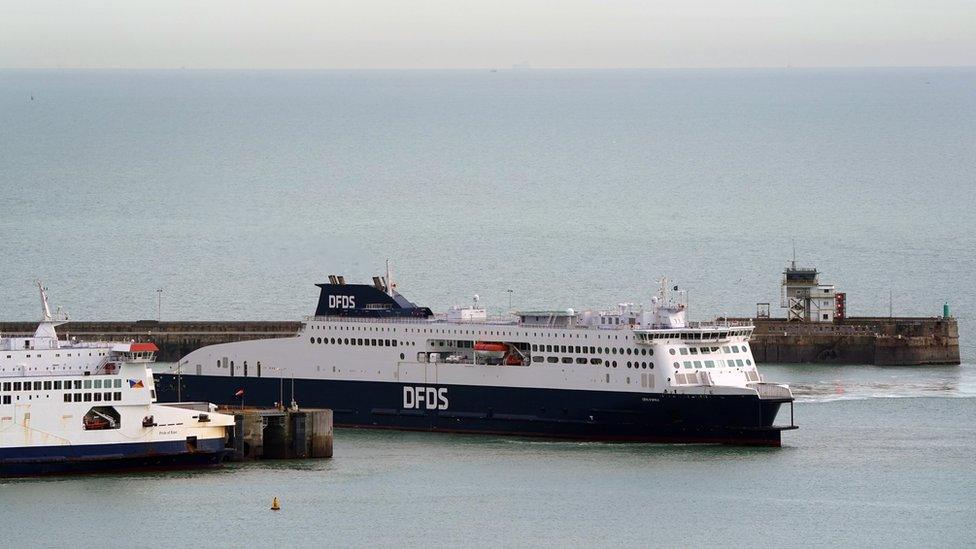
column 380, row 361
column 68, row 406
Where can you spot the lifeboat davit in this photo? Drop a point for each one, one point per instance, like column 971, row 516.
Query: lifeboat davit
column 490, row 346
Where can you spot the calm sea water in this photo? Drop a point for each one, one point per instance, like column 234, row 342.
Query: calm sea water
column 880, row 472
column 236, row 191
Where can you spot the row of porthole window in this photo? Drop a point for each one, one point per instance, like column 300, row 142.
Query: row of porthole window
column 708, row 350
column 594, row 361
column 58, row 355
column 462, row 332
column 730, row 363
column 88, row 397
column 356, row 341
column 590, row 350
column 578, row 360
column 56, row 384
column 355, row 328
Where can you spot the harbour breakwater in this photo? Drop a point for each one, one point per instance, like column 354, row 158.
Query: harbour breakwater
column 882, row 341
column 855, row 340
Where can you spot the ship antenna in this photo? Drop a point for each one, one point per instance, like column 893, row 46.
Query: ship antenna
column 389, row 278
column 794, row 254
column 45, row 308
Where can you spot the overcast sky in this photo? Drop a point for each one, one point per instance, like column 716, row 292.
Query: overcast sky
column 494, row 33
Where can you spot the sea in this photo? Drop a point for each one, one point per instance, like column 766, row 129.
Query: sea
column 227, row 195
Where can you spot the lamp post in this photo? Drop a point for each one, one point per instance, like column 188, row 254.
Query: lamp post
column 294, row 405
column 510, row 292
column 281, row 386
column 159, row 304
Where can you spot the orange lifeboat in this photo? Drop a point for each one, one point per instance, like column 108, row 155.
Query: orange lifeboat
column 490, row 346
column 96, row 423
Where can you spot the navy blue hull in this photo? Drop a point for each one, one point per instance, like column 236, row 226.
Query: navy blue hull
column 96, row 458
column 552, row 413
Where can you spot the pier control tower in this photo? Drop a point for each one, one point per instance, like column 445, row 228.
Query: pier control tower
column 804, row 297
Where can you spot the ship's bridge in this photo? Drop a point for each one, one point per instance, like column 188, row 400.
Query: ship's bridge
column 714, row 332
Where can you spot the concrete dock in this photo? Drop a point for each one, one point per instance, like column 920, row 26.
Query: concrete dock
column 281, row 434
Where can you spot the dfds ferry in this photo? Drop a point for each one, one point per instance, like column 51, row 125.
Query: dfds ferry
column 380, row 361
column 68, row 406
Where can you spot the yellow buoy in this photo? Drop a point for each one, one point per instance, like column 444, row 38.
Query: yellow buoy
column 275, row 504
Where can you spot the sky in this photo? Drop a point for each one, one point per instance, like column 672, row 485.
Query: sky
column 444, row 34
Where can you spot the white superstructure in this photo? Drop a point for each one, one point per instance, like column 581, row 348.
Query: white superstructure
column 380, row 361
column 44, row 354
column 67, row 406
column 624, row 349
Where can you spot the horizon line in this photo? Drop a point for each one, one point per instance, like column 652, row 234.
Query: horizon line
column 484, row 68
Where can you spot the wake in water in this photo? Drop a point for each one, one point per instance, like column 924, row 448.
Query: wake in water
column 830, row 391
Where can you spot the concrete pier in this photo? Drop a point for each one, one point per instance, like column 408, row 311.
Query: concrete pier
column 174, row 339
column 281, row 434
column 883, row 341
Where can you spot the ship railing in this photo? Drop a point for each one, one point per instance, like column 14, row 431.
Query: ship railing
column 720, row 323
column 434, row 319
column 772, row 391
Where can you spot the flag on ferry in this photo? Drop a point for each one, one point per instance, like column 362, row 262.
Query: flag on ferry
column 239, row 393
column 136, row 384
